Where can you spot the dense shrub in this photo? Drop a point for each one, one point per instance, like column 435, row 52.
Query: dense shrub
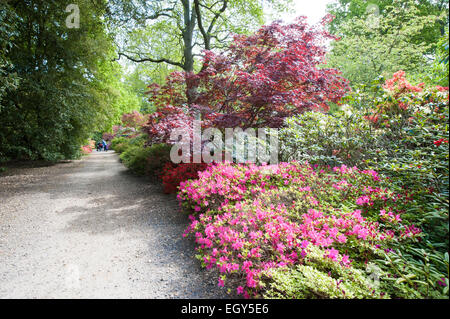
column 395, row 135
column 319, row 277
column 121, row 147
column 411, row 147
column 327, row 139
column 122, row 143
column 141, row 159
column 158, row 157
column 118, row 144
column 408, row 147
column 249, row 221
column 138, row 140
column 135, row 158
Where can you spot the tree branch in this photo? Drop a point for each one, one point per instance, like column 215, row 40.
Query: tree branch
column 206, row 34
column 139, row 60
column 217, row 15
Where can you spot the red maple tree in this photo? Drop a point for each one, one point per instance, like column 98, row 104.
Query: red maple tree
column 258, row 81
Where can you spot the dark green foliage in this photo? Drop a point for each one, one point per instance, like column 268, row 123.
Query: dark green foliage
column 159, row 155
column 135, row 158
column 326, row 139
column 8, row 30
column 119, row 144
column 67, row 81
column 141, row 159
column 121, row 147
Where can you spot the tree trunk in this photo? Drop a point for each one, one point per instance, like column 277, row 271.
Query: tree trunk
column 188, row 66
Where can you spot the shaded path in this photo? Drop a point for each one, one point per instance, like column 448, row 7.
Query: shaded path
column 89, row 229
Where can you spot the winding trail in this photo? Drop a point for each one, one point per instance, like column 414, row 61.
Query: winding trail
column 90, row 229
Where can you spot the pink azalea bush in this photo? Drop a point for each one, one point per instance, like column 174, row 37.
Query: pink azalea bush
column 87, row 149
column 251, row 222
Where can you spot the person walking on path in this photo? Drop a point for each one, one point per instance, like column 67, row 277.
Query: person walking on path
column 99, row 146
column 105, row 145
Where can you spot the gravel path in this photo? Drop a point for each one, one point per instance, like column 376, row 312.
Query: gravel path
column 89, row 229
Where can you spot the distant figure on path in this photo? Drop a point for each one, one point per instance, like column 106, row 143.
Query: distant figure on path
column 105, row 146
column 99, row 146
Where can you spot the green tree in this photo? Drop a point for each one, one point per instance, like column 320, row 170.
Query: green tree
column 345, row 10
column 68, row 88
column 8, row 30
column 381, row 43
column 440, row 74
column 140, row 76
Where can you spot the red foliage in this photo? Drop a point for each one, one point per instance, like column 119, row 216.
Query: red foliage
column 164, row 120
column 258, row 81
column 108, row 136
column 270, row 75
column 134, row 119
column 174, row 174
column 171, row 93
column 440, row 141
column 441, row 88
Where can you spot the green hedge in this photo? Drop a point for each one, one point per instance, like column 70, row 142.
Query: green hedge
column 144, row 160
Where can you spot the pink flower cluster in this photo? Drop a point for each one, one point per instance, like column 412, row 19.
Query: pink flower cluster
column 400, row 84
column 248, row 219
column 86, row 149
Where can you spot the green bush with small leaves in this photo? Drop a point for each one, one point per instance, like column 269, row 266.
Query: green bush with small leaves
column 115, row 142
column 144, row 160
column 327, row 139
column 135, row 158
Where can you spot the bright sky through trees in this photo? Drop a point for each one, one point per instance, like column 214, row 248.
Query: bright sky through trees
column 314, row 10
